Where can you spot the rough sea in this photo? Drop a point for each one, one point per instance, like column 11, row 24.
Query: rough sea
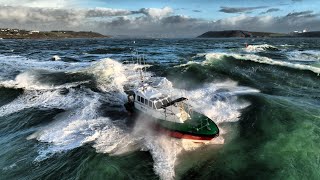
column 62, row 114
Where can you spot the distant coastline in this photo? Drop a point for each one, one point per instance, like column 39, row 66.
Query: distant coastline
column 251, row 34
column 7, row 33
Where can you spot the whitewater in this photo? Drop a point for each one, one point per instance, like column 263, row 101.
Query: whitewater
column 54, row 108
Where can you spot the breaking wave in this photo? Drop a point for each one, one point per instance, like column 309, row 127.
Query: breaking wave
column 304, row 56
column 82, row 121
column 260, row 48
column 31, row 80
column 259, row 59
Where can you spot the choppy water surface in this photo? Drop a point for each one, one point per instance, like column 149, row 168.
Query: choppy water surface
column 65, row 119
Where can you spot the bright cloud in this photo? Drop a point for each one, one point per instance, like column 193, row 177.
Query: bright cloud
column 36, row 3
column 156, row 12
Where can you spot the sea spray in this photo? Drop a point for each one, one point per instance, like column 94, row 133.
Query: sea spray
column 270, row 139
column 81, row 122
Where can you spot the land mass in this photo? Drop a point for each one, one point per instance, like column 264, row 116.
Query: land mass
column 7, row 33
column 248, row 34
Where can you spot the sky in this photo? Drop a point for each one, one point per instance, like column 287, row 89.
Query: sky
column 161, row 18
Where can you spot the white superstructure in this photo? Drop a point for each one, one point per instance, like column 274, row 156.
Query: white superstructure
column 161, row 106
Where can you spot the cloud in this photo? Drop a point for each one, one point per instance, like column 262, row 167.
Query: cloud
column 148, row 22
column 170, row 26
column 239, row 9
column 28, row 14
column 43, row 18
column 37, row 3
column 106, row 12
column 302, row 14
column 184, row 26
column 270, row 10
column 196, row 10
column 156, row 12
column 178, row 19
column 287, row 23
column 296, row 0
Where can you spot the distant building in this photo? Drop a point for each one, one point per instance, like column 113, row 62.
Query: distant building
column 33, row 32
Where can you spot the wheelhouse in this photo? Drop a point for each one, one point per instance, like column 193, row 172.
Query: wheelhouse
column 155, row 103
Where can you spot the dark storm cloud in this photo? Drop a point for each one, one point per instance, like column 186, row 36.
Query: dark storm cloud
column 105, row 12
column 178, row 19
column 302, row 14
column 120, row 21
column 53, row 18
column 239, row 9
column 270, row 10
column 23, row 14
column 287, row 23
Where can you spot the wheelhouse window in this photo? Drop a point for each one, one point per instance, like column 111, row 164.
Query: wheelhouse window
column 146, row 101
column 138, row 97
column 142, row 99
column 150, row 104
column 164, row 102
column 158, row 104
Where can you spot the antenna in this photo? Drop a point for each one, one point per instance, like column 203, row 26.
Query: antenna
column 140, row 69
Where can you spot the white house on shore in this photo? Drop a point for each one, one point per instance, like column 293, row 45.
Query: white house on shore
column 299, row 32
column 34, row 32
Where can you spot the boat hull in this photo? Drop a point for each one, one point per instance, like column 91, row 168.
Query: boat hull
column 185, row 131
column 198, row 128
column 183, row 135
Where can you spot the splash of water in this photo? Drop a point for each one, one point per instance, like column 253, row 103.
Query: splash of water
column 81, row 122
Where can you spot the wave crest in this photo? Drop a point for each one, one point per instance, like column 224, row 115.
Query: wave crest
column 260, row 48
column 259, row 59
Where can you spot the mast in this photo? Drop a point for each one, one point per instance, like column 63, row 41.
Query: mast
column 141, row 70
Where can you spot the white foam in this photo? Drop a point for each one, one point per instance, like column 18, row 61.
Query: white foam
column 259, row 59
column 29, row 80
column 164, row 152
column 259, row 48
column 306, row 56
column 43, row 100
column 286, row 45
column 20, row 63
column 220, row 106
column 56, row 58
column 7, row 168
column 109, row 74
column 81, row 122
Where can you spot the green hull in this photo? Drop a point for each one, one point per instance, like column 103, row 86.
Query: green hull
column 198, row 125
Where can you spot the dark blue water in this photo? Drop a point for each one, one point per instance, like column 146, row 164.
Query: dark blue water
column 62, row 114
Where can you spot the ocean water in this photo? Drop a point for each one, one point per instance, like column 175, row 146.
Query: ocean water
column 62, row 114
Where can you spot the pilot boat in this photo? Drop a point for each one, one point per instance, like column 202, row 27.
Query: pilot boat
column 172, row 116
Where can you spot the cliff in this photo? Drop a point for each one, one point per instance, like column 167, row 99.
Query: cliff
column 245, row 34
column 238, row 33
column 23, row 34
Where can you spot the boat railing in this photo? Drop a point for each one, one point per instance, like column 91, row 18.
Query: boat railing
column 203, row 125
column 184, row 110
